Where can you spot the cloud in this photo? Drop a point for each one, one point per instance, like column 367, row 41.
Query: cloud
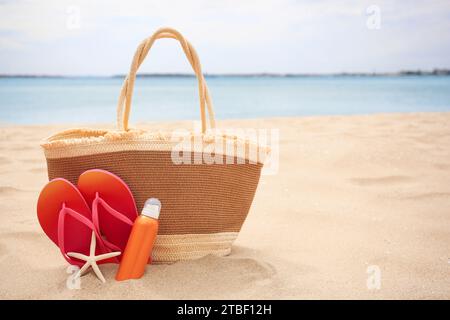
column 47, row 20
column 231, row 36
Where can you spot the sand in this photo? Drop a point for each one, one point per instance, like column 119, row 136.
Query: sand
column 354, row 195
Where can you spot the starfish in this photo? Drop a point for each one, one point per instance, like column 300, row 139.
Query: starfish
column 91, row 260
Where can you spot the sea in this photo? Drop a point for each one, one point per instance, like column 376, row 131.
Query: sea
column 56, row 100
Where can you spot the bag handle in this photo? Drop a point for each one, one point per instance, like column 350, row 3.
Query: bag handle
column 126, row 93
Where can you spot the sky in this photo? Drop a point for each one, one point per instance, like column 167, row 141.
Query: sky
column 248, row 36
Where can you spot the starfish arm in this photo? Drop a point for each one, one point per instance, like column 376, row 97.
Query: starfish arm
column 83, row 269
column 77, row 256
column 107, row 256
column 98, row 272
column 93, row 244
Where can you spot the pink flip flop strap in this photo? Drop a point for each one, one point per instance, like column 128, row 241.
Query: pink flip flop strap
column 81, row 218
column 116, row 214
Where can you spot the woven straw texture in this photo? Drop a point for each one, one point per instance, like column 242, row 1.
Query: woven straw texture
column 204, row 205
column 196, row 198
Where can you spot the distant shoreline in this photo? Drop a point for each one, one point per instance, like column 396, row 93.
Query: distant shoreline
column 435, row 72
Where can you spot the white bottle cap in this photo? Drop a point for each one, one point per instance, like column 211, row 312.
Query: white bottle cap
column 152, row 207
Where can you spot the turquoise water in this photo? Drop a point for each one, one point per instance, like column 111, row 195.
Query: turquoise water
column 89, row 100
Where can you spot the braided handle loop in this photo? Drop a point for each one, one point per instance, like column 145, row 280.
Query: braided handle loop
column 126, row 93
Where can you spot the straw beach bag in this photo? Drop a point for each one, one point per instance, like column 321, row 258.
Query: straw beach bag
column 204, row 202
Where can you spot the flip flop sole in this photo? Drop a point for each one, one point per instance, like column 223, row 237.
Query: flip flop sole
column 55, row 194
column 115, row 192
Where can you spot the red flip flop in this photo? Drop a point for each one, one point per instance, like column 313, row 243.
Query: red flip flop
column 66, row 219
column 112, row 204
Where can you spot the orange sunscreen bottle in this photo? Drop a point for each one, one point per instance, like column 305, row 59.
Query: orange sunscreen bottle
column 140, row 243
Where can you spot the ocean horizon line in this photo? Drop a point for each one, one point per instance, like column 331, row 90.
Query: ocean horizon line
column 434, row 72
column 33, row 100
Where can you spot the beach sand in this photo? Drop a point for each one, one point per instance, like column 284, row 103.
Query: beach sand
column 353, row 195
